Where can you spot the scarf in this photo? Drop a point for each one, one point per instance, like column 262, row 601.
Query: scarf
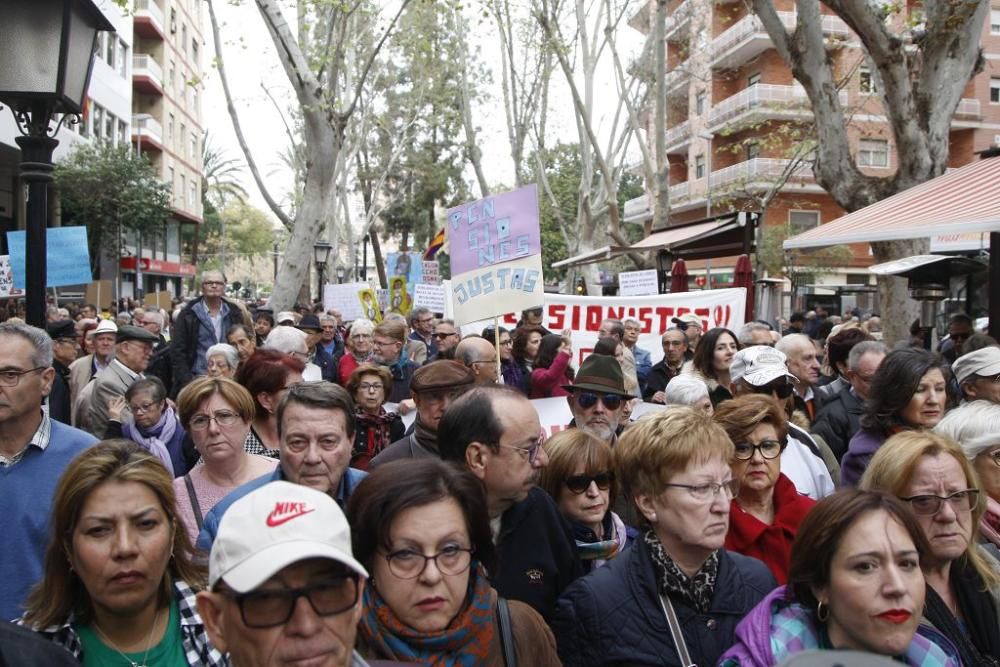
column 672, row 581
column 156, row 438
column 599, row 551
column 469, row 640
column 978, row 643
column 989, row 525
column 373, row 432
column 425, row 436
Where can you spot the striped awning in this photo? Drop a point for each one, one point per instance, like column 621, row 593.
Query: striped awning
column 962, row 201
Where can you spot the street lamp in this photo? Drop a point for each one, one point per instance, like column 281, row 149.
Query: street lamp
column 321, row 255
column 341, row 272
column 47, row 50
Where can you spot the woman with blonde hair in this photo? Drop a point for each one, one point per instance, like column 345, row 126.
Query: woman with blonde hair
column 580, row 477
column 932, row 474
column 120, row 582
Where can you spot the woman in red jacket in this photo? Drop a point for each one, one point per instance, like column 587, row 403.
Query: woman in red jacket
column 552, row 369
column 766, row 512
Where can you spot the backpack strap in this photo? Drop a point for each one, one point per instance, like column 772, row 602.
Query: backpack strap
column 506, row 632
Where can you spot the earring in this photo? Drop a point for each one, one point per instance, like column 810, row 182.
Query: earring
column 820, row 615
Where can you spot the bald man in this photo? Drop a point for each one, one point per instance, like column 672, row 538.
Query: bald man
column 479, row 356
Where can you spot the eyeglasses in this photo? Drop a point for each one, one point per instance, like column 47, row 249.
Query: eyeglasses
column 781, row 389
column 145, row 407
column 425, row 320
column 67, row 341
column 960, row 501
column 530, row 452
column 212, row 283
column 704, row 492
column 266, row 609
column 410, row 564
column 959, row 336
column 769, row 449
column 370, row 386
column 580, row 483
column 381, row 344
column 222, row 418
column 442, row 336
column 588, row 399
column 10, row 378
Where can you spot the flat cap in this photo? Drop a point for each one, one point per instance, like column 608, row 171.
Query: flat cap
column 443, row 374
column 61, row 329
column 129, row 332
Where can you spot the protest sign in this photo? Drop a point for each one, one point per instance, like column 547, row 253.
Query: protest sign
column 399, row 297
column 406, row 264
column 344, row 299
column 99, row 294
column 495, row 250
column 431, row 297
column 369, row 305
column 161, row 299
column 432, row 272
column 583, row 315
column 638, row 283
column 67, row 258
column 7, row 279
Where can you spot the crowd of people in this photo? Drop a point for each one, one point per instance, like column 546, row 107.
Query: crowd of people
column 225, row 485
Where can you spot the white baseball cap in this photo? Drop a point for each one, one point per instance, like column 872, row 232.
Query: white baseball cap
column 984, row 361
column 759, row 364
column 105, row 326
column 273, row 527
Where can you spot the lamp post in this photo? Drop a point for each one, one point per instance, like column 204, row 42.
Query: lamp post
column 341, row 272
column 47, row 50
column 708, row 136
column 321, row 255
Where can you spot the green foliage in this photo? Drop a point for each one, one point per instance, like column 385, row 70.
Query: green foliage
column 240, row 229
column 110, row 190
column 798, row 266
column 562, row 167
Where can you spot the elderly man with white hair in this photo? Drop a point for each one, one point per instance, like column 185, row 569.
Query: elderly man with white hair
column 688, row 390
column 292, row 341
column 975, row 425
column 804, row 365
column 755, row 333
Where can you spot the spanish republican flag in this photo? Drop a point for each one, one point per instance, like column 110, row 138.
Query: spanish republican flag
column 436, row 244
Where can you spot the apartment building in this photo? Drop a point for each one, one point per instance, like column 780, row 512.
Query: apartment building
column 736, row 115
column 167, row 127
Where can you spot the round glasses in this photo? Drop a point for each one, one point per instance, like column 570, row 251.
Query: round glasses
column 769, row 449
column 222, row 418
column 269, row 608
column 410, row 564
column 580, row 483
column 929, row 504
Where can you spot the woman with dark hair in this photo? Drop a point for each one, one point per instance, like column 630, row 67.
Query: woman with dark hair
column 524, row 348
column 711, row 362
column 513, row 374
column 838, row 348
column 421, row 528
column 154, row 424
column 267, row 374
column 908, row 392
column 551, row 368
column 855, row 583
column 768, row 509
column 580, row 477
column 375, row 429
column 120, row 582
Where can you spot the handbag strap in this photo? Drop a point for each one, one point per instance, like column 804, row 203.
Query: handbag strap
column 675, row 631
column 194, row 500
column 506, row 632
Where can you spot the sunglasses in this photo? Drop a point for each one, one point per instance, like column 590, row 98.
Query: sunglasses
column 779, row 389
column 580, row 483
column 588, row 399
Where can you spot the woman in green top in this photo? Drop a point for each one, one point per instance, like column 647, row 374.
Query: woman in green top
column 119, row 580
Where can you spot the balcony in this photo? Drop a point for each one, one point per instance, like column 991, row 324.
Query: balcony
column 747, row 38
column 678, row 138
column 678, row 79
column 967, row 114
column 760, row 172
column 147, row 133
column 147, row 75
column 147, row 20
column 763, row 101
column 678, row 22
column 678, row 193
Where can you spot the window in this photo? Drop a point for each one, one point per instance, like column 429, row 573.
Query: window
column 994, row 91
column 184, row 35
column 699, row 102
column 753, row 79
column 171, row 76
column 873, row 153
column 110, row 48
column 183, row 137
column 194, row 51
column 170, row 178
column 192, row 194
column 122, row 132
column 699, row 166
column 179, row 198
column 995, row 21
column 800, row 221
column 194, row 146
column 98, row 115
column 110, row 127
column 753, row 150
column 122, row 56
column 866, row 82
column 170, row 128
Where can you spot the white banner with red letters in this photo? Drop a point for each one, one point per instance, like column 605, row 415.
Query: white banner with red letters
column 583, row 315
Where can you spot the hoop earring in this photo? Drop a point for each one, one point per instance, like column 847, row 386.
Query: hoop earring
column 820, row 616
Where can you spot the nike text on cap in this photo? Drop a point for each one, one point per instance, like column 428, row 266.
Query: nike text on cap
column 274, row 526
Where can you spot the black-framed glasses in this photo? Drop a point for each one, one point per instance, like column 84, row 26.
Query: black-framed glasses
column 580, row 483
column 268, row 608
column 769, row 449
column 144, row 407
column 530, row 452
column 782, row 389
column 370, row 386
column 706, row 492
column 930, row 504
column 588, row 399
column 410, row 564
column 442, row 336
column 222, row 418
column 10, row 378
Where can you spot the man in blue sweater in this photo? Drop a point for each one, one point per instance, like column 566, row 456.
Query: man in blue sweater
column 34, row 451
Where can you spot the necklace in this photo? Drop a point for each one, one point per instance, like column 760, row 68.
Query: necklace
column 145, row 656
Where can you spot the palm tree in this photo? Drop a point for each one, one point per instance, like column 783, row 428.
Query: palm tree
column 220, row 176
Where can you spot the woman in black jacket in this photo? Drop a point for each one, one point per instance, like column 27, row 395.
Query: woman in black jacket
column 675, row 467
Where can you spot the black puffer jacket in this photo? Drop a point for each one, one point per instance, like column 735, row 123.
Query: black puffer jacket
column 613, row 615
column 839, row 420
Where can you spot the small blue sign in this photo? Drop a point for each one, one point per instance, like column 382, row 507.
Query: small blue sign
column 67, row 258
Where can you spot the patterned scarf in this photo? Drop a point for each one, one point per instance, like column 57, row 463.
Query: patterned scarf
column 592, row 549
column 698, row 590
column 376, row 430
column 469, row 640
column 156, row 438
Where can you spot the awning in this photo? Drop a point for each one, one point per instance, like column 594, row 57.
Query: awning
column 963, row 201
column 698, row 240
